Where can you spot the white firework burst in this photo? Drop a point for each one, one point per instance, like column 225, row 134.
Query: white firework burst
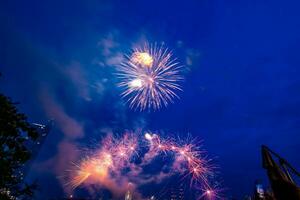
column 150, row 77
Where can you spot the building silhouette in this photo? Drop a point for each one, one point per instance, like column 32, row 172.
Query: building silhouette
column 43, row 131
column 36, row 145
column 177, row 192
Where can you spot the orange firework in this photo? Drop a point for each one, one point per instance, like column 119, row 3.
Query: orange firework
column 80, row 175
column 95, row 168
column 150, row 77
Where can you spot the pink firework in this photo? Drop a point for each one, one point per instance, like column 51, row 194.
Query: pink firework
column 188, row 154
column 211, row 192
column 150, row 77
column 114, row 162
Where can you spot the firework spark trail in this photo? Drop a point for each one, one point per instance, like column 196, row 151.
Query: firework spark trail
column 150, row 77
column 196, row 165
column 80, row 176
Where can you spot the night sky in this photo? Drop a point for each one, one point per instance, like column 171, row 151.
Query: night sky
column 241, row 87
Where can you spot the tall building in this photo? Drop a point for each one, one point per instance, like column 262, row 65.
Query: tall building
column 43, row 131
column 177, row 192
column 36, row 145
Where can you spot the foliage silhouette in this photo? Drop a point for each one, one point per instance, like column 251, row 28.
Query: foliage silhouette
column 15, row 135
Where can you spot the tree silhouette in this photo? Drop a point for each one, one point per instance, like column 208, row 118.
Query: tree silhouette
column 15, row 133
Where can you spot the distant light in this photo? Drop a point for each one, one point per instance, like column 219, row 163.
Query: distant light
column 208, row 192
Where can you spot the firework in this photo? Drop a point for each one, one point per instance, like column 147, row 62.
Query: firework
column 211, row 192
column 115, row 160
column 150, row 77
column 196, row 165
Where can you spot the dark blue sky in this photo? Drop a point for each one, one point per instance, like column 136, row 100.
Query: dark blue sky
column 241, row 88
